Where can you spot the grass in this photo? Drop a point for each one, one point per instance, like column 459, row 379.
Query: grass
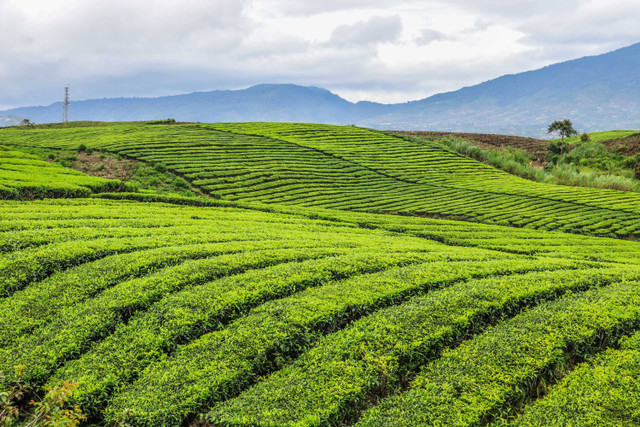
column 589, row 165
column 600, row 136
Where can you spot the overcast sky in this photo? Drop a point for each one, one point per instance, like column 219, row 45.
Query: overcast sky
column 379, row 50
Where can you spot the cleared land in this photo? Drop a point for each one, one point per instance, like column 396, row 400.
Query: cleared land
column 534, row 147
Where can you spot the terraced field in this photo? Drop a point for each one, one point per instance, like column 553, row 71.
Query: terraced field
column 351, row 169
column 253, row 309
column 23, row 176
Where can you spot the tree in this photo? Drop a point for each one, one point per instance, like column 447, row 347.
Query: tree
column 564, row 127
column 26, row 122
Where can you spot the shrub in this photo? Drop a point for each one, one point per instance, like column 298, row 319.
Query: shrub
column 181, row 183
column 162, row 122
column 52, row 410
column 82, row 148
column 160, row 167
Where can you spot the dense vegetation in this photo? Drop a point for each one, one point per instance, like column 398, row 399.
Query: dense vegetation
column 23, row 176
column 348, row 168
column 573, row 162
column 267, row 305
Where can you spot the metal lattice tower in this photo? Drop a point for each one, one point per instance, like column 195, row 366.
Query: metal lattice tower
column 65, row 106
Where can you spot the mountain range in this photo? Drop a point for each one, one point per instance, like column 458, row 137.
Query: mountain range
column 596, row 93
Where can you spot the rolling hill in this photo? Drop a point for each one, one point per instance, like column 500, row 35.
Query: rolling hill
column 598, row 92
column 348, row 168
column 317, row 285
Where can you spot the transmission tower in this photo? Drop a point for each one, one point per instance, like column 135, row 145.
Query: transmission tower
column 65, row 106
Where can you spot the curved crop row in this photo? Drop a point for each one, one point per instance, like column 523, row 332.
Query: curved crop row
column 220, row 364
column 350, row 169
column 489, row 377
column 377, row 354
column 605, row 392
column 24, row 177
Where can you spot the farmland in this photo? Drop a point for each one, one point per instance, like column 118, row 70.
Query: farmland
column 333, row 276
column 349, row 168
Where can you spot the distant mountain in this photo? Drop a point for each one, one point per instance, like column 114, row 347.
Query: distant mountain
column 597, row 92
column 289, row 103
column 9, row 121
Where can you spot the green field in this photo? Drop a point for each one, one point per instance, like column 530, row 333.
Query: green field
column 335, row 276
column 349, row 168
column 602, row 136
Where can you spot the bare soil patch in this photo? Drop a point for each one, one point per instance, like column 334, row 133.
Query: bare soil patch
column 104, row 166
column 629, row 146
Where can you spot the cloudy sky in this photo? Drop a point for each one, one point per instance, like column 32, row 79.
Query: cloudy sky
column 380, row 50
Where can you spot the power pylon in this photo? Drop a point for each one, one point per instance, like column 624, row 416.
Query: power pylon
column 65, row 106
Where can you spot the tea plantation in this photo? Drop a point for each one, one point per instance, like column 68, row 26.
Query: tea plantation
column 336, row 276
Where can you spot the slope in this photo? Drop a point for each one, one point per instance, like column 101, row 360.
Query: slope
column 23, row 176
column 258, row 314
column 349, row 168
column 266, row 102
column 596, row 92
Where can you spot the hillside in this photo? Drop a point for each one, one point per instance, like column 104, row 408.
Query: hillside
column 23, row 176
column 9, row 121
column 598, row 92
column 258, row 103
column 281, row 301
column 626, row 142
column 348, row 168
column 536, row 148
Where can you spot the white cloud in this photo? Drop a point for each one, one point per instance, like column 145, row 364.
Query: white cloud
column 375, row 49
column 378, row 29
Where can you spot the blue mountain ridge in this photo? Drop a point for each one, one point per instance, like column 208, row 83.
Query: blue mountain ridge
column 596, row 93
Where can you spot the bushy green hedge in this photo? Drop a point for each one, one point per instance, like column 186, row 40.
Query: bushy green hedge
column 490, row 377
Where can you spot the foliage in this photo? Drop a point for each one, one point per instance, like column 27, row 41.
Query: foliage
column 193, row 304
column 556, row 149
column 602, row 136
column 585, row 137
column 285, row 301
column 331, row 381
column 51, row 410
column 479, row 381
column 560, row 168
column 160, row 167
column 602, row 392
column 162, row 122
column 23, row 176
column 309, row 165
column 563, row 127
column 514, row 161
